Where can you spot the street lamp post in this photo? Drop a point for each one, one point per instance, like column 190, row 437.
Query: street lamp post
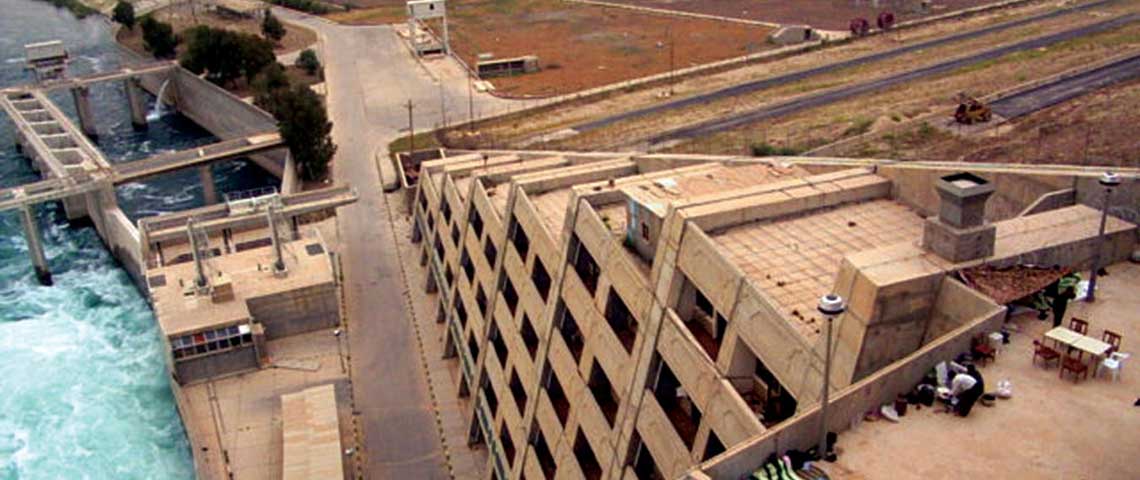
column 831, row 306
column 339, row 354
column 1109, row 181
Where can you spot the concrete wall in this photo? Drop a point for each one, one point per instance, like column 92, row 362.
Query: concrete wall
column 1015, row 190
column 224, row 115
column 296, row 311
column 197, row 369
column 849, row 405
column 117, row 232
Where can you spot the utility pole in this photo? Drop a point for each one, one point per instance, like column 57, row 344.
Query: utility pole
column 470, row 105
column 672, row 64
column 411, row 129
column 442, row 107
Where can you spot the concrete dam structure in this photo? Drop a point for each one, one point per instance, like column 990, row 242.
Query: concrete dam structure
column 76, row 173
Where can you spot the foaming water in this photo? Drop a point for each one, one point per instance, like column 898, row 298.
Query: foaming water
column 83, row 388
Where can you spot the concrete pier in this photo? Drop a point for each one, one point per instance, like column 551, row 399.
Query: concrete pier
column 136, row 102
column 82, row 97
column 209, row 192
column 35, row 246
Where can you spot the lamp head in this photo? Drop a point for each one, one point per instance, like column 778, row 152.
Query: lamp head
column 1110, row 179
column 832, row 304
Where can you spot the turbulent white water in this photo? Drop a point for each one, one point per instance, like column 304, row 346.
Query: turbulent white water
column 83, row 389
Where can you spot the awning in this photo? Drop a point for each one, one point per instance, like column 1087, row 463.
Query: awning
column 1005, row 285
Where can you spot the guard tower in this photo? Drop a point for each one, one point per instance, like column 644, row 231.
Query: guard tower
column 425, row 43
column 48, row 60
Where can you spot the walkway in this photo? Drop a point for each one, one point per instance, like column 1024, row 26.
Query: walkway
column 369, row 74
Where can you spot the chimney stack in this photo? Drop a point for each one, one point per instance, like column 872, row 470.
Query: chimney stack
column 960, row 232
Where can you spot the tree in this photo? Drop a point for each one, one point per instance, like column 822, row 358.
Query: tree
column 267, row 85
column 224, row 55
column 270, row 79
column 308, row 61
column 159, row 37
column 124, row 14
column 272, row 28
column 305, row 127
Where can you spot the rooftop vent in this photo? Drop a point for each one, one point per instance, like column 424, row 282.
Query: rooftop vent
column 964, row 198
column 960, row 232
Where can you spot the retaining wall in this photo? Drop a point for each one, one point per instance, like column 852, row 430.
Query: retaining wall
column 849, row 405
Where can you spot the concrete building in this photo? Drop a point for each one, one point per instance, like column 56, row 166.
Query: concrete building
column 618, row 316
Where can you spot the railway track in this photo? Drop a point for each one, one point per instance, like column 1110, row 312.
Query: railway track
column 843, row 93
column 757, row 85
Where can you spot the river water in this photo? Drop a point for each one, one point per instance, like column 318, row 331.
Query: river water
column 83, row 388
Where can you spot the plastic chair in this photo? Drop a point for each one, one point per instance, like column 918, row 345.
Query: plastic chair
column 1114, row 363
column 1079, row 325
column 1047, row 354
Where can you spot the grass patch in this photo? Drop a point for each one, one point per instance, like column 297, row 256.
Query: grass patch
column 423, row 141
column 861, row 126
column 765, row 149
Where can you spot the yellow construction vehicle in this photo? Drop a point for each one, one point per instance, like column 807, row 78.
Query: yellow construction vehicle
column 971, row 111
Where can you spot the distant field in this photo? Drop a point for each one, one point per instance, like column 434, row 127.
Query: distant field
column 582, row 46
column 823, row 14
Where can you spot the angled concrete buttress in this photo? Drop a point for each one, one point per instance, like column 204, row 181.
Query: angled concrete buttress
column 82, row 96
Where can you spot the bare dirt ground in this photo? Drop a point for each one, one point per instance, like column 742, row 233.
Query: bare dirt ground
column 515, row 131
column 826, row 124
column 183, row 16
column 888, row 112
column 823, row 14
column 578, row 46
column 1096, row 129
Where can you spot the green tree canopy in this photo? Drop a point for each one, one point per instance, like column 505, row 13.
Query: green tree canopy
column 272, row 28
column 308, row 61
column 124, row 14
column 225, row 55
column 158, row 37
column 305, row 128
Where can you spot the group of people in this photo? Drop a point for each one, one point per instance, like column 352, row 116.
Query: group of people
column 966, row 387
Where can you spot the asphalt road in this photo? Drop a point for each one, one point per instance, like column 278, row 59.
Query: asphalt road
column 750, row 87
column 1050, row 94
column 832, row 96
column 369, row 76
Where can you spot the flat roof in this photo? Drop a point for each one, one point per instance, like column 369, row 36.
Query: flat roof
column 1050, row 428
column 251, row 275
column 659, row 192
column 795, row 259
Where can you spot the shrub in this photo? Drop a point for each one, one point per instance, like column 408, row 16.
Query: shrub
column 308, row 61
column 764, row 149
column 272, row 28
column 158, row 37
column 124, row 14
column 310, row 6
